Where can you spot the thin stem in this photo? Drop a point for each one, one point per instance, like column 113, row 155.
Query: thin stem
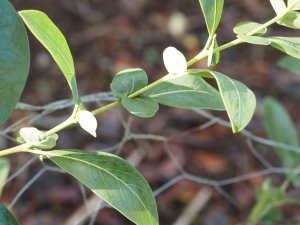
column 20, row 148
column 61, row 126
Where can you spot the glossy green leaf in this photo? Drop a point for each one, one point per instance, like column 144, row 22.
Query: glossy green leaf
column 4, row 171
column 112, row 179
column 246, row 27
column 267, row 198
column 238, row 99
column 37, row 138
column 6, row 217
column 254, row 40
column 291, row 20
column 288, row 45
column 128, row 81
column 290, row 63
column 279, row 6
column 14, row 59
column 212, row 11
column 54, row 41
column 280, row 128
column 142, row 106
column 187, row 92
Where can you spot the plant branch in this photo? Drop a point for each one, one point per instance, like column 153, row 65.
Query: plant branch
column 203, row 54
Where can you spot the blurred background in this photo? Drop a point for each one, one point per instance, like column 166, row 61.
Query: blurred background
column 192, row 161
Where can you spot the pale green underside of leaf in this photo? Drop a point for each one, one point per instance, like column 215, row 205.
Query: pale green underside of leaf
column 254, row 40
column 239, row 100
column 128, row 81
column 288, row 45
column 279, row 6
column 297, row 5
column 142, row 106
column 187, row 92
column 290, row 63
column 280, row 128
column 246, row 27
column 54, row 41
column 14, row 59
column 112, row 179
column 4, row 171
column 291, row 20
column 212, row 11
column 6, row 217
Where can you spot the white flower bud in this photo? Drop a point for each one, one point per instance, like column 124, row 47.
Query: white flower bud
column 174, row 61
column 87, row 121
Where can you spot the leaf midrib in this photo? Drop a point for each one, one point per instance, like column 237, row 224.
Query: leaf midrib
column 71, row 68
column 100, row 168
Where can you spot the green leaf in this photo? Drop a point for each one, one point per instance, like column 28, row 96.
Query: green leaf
column 14, row 59
column 54, row 41
column 6, row 217
column 279, row 6
column 142, row 106
column 128, row 81
column 267, row 198
column 288, row 45
column 4, row 171
column 291, row 20
column 254, row 40
column 37, row 138
column 216, row 54
column 112, row 179
column 246, row 27
column 280, row 128
column 290, row 63
column 296, row 6
column 213, row 56
column 187, row 92
column 238, row 99
column 274, row 216
column 212, row 11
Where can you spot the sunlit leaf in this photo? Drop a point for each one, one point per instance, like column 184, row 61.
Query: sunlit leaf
column 54, row 41
column 279, row 6
column 14, row 59
column 246, row 27
column 296, row 4
column 288, row 45
column 291, row 20
column 111, row 178
column 212, row 11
